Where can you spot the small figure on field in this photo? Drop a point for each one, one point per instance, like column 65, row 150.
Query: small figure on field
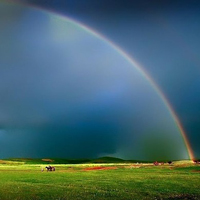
column 42, row 169
column 169, row 162
column 196, row 161
column 50, row 168
column 156, row 163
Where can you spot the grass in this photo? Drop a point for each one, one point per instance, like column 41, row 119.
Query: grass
column 100, row 181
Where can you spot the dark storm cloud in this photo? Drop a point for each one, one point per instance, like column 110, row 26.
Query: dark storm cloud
column 57, row 100
column 110, row 7
column 162, row 35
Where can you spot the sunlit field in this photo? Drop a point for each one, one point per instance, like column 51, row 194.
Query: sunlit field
column 26, row 180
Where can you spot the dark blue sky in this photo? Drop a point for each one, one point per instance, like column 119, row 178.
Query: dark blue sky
column 163, row 36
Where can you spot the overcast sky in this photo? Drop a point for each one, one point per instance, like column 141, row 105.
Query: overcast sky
column 161, row 35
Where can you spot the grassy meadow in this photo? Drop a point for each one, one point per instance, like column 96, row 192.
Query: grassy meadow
column 23, row 179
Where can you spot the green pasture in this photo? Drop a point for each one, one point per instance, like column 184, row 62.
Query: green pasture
column 21, row 180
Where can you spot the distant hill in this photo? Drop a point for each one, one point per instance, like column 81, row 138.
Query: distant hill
column 49, row 161
column 107, row 160
column 60, row 160
column 44, row 161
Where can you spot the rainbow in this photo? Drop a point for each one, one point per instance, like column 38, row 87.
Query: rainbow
column 129, row 59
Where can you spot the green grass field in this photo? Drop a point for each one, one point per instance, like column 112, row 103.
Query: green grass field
column 22, row 179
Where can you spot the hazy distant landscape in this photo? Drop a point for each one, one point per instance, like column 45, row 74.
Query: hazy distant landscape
column 104, row 160
column 103, row 178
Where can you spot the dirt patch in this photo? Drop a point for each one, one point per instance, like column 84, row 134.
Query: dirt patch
column 133, row 166
column 99, row 168
column 3, row 162
column 197, row 171
column 47, row 160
